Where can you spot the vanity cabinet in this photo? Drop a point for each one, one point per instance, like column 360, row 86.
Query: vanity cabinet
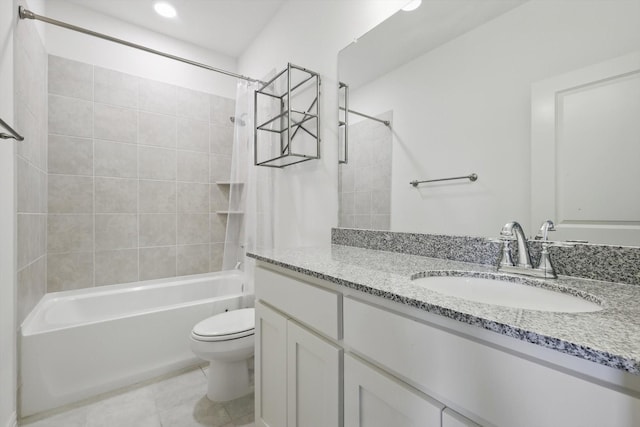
column 298, row 370
column 331, row 356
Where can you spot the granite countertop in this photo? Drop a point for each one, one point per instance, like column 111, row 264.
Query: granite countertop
column 610, row 337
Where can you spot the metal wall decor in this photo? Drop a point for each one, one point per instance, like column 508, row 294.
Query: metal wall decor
column 287, row 118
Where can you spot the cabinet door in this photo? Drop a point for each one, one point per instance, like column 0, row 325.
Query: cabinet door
column 271, row 368
column 453, row 419
column 313, row 380
column 375, row 399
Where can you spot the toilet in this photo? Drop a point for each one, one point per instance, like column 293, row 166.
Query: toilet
column 226, row 342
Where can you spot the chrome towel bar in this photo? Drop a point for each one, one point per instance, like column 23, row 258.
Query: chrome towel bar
column 14, row 135
column 471, row 178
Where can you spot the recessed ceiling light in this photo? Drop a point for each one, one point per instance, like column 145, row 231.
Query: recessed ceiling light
column 413, row 5
column 165, row 9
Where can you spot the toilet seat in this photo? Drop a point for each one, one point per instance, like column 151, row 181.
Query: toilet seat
column 226, row 326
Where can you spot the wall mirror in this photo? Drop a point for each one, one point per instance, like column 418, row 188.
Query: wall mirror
column 539, row 98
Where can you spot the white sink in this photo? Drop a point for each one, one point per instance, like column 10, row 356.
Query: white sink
column 508, row 294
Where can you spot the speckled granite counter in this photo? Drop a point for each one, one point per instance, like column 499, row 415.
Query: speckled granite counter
column 610, row 337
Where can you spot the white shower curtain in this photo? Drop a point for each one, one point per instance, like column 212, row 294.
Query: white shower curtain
column 250, row 218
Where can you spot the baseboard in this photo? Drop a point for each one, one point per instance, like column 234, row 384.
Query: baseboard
column 12, row 421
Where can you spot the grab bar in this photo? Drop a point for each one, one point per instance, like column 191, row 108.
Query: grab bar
column 471, row 178
column 14, row 135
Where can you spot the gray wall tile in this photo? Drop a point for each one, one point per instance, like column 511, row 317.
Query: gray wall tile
column 69, row 155
column 70, row 116
column 31, row 235
column 147, row 166
column 73, row 270
column 192, row 104
column 113, row 267
column 221, row 138
column 31, row 287
column 115, row 123
column 70, row 233
column 193, row 134
column 156, row 129
column 193, row 259
column 70, row 78
column 116, row 195
column 217, row 255
column 157, row 196
column 116, row 159
column 156, row 97
column 220, row 169
column 218, row 228
column 193, row 166
column 157, row 262
column 219, row 197
column 221, row 109
column 116, row 231
column 193, row 228
column 157, row 230
column 156, row 163
column 363, row 203
column 193, row 198
column 115, row 88
column 70, row 194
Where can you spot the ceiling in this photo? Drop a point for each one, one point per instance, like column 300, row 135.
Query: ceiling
column 224, row 26
column 408, row 35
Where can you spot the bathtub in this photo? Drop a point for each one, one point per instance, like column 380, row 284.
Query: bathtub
column 77, row 344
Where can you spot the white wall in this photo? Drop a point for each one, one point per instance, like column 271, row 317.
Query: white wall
column 465, row 107
column 310, row 34
column 7, row 224
column 84, row 48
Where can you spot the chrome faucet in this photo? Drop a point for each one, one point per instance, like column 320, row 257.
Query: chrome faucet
column 513, row 231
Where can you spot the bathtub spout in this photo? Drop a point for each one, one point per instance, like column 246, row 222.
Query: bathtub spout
column 238, row 265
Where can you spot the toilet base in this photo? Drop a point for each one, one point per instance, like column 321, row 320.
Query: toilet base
column 228, row 380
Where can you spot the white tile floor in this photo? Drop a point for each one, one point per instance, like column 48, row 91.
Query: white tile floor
column 173, row 401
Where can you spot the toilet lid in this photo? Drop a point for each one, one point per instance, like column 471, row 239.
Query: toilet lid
column 225, row 326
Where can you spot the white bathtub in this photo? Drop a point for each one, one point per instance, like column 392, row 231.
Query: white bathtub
column 77, row 344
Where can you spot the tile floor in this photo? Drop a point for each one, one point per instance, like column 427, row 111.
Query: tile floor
column 171, row 401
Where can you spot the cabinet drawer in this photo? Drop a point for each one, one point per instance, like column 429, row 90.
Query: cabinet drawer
column 375, row 399
column 319, row 308
column 457, row 370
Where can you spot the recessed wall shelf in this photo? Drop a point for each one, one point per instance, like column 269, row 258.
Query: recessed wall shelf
column 287, row 120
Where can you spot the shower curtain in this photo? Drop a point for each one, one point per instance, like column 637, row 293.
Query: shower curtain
column 250, row 218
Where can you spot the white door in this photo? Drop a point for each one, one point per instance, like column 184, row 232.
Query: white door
column 451, row 418
column 271, row 368
column 374, row 399
column 586, row 153
column 313, row 377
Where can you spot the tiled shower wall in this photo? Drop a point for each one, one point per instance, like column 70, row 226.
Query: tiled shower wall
column 31, row 164
column 133, row 166
column 365, row 181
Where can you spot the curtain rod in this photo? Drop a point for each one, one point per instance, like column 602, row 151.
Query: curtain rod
column 27, row 14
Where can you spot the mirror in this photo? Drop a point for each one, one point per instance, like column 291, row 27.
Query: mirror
column 484, row 87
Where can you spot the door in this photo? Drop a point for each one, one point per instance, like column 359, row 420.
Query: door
column 313, row 378
column 372, row 398
column 451, row 418
column 585, row 153
column 271, row 368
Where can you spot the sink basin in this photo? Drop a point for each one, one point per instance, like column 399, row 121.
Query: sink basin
column 508, row 294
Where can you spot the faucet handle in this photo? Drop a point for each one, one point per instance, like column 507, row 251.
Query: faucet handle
column 543, row 233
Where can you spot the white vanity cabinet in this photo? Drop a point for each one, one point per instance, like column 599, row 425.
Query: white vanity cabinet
column 298, row 370
column 330, row 356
